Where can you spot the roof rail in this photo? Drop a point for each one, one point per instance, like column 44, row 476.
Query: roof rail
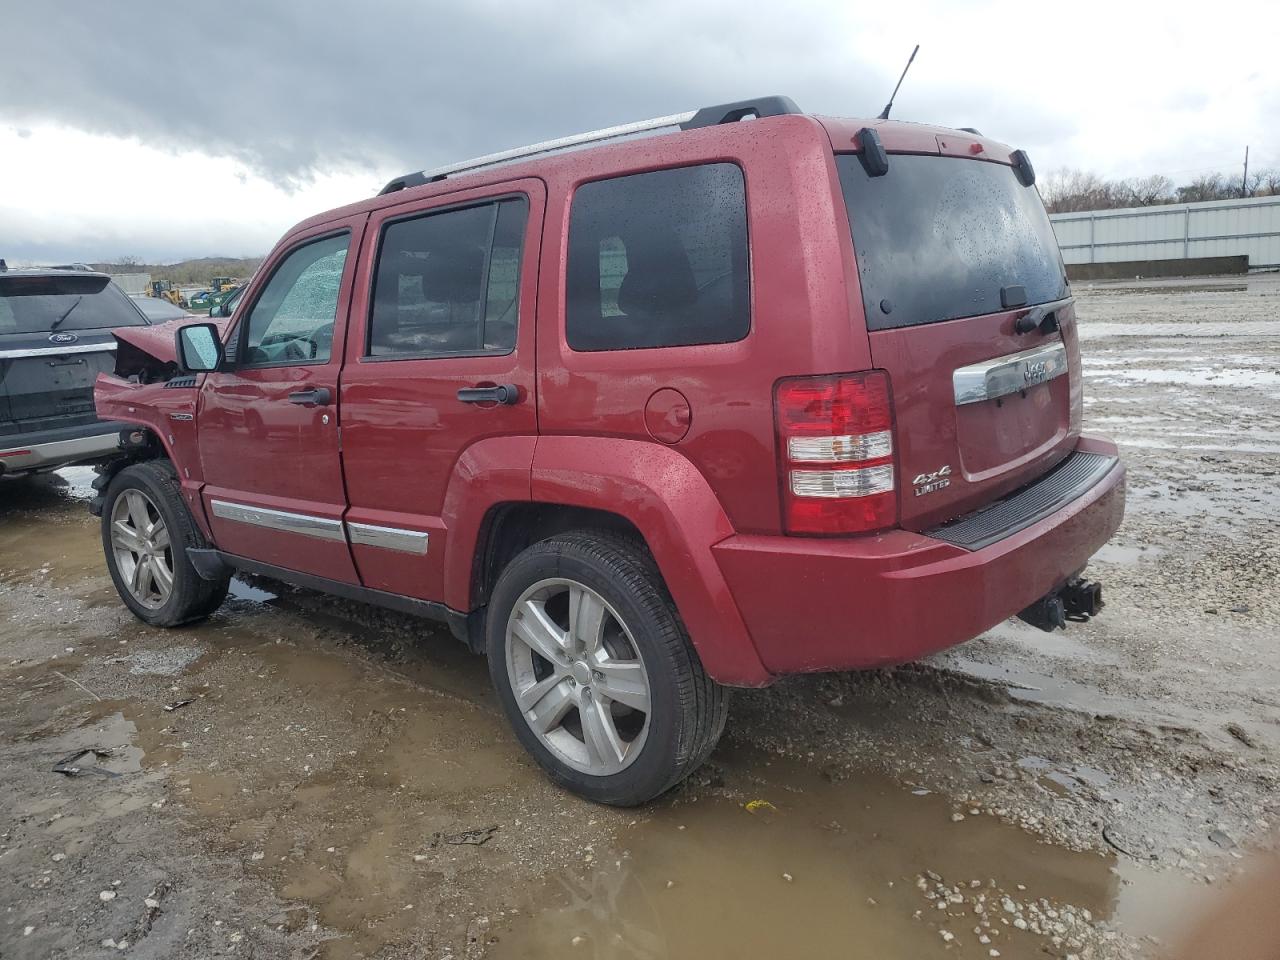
column 775, row 106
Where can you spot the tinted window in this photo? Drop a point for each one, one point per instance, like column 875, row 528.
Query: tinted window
column 447, row 283
column 936, row 238
column 659, row 260
column 42, row 304
column 292, row 321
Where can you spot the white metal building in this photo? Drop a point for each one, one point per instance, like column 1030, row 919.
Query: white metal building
column 133, row 283
column 1218, row 228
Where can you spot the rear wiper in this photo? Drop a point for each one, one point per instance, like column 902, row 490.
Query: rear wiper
column 1043, row 317
column 54, row 326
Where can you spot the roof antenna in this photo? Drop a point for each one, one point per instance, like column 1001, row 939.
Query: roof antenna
column 884, row 114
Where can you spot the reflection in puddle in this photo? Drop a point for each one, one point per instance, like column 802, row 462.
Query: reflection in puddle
column 240, row 590
column 859, row 867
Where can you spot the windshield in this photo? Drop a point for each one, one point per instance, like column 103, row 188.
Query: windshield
column 936, row 238
column 40, row 304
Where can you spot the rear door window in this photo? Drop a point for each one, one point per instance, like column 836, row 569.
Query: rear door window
column 659, row 260
column 937, row 238
column 447, row 283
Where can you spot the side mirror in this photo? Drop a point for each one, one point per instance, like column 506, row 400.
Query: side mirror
column 198, row 348
column 227, row 306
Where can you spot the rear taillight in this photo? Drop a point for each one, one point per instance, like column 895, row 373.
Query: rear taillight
column 835, row 450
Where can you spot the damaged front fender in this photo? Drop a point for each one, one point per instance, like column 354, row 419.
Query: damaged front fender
column 148, row 354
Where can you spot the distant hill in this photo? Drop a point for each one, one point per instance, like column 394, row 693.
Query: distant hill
column 196, row 271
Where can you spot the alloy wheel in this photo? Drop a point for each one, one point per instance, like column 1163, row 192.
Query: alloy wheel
column 577, row 675
column 143, row 553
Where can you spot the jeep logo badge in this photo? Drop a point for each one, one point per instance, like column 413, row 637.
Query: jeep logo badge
column 1034, row 372
column 63, row 338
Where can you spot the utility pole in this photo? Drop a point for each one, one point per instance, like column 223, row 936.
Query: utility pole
column 1244, row 181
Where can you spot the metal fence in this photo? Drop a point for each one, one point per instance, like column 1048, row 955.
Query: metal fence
column 1219, row 228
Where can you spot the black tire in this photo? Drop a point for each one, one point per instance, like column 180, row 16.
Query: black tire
column 687, row 709
column 191, row 596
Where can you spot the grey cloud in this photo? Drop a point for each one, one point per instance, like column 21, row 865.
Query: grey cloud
column 292, row 88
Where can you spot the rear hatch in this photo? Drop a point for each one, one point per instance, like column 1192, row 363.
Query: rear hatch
column 951, row 252
column 55, row 338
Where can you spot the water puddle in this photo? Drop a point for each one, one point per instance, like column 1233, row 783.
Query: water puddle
column 1172, row 289
column 39, row 519
column 1217, row 376
column 860, row 867
column 1126, row 555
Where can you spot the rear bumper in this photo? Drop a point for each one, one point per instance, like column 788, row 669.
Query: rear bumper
column 21, row 452
column 815, row 605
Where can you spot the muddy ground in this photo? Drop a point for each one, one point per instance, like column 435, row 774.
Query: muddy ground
column 1081, row 794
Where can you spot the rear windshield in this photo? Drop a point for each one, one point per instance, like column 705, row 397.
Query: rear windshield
column 35, row 304
column 936, row 238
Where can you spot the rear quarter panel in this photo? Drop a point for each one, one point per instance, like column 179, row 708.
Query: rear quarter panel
column 803, row 289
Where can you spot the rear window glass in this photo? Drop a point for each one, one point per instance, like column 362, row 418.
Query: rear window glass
column 659, row 260
column 45, row 304
column 936, row 238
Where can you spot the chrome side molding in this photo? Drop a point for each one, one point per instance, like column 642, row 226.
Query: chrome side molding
column 389, row 538
column 323, row 528
column 1009, row 374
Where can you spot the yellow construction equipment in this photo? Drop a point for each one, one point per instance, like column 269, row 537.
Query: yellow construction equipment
column 165, row 290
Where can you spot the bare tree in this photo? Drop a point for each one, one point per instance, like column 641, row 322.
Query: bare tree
column 1268, row 183
column 1145, row 191
column 1068, row 191
column 1207, row 186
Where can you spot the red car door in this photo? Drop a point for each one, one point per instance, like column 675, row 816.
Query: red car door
column 268, row 420
column 444, row 307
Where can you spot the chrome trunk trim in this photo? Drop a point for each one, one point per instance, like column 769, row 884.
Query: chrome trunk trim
column 17, row 354
column 321, row 528
column 389, row 538
column 1009, row 374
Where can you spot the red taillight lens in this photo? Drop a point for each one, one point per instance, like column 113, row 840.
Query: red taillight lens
column 835, row 448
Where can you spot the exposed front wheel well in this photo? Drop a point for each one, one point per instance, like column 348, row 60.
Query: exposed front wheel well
column 511, row 527
column 138, row 443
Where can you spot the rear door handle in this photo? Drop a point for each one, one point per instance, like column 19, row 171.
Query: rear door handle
column 319, row 397
column 504, row 393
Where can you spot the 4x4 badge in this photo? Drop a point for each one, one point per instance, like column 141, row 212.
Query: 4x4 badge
column 63, row 338
column 932, row 482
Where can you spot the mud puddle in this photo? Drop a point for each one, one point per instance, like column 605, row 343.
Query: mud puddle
column 783, row 862
column 42, row 532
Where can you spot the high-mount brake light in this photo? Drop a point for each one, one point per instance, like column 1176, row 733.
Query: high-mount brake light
column 835, row 449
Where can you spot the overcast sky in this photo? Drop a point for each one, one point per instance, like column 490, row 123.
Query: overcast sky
column 166, row 129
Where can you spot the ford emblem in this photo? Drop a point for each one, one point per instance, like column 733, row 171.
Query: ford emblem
column 63, row 338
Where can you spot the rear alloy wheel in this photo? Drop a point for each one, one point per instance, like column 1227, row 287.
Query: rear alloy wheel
column 144, row 556
column 595, row 671
column 577, row 676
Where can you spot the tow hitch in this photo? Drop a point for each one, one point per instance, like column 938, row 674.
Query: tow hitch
column 1077, row 599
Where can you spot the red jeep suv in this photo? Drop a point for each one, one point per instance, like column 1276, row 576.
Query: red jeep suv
column 642, row 414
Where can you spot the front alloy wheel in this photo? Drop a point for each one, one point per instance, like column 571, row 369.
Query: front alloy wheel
column 578, row 677
column 143, row 554
column 147, row 530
